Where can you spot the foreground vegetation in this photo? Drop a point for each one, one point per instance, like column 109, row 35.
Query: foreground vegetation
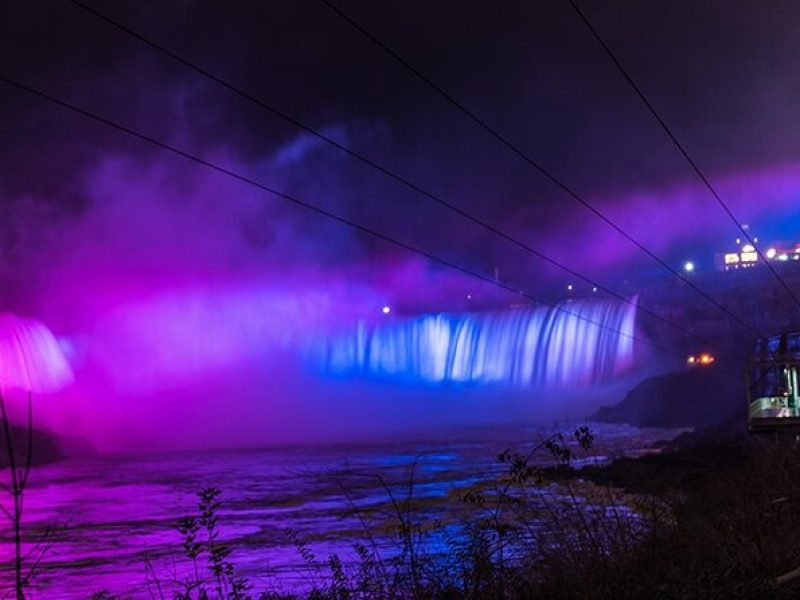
column 712, row 521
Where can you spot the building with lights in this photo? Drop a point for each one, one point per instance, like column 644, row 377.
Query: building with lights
column 746, row 256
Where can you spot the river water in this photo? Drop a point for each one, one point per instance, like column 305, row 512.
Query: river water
column 112, row 519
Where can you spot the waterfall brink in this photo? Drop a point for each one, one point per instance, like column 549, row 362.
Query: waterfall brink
column 524, row 347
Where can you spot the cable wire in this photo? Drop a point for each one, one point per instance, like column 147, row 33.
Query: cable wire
column 671, row 135
column 321, row 211
column 391, row 174
column 531, row 162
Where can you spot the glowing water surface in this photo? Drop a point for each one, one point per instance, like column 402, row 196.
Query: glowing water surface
column 120, row 512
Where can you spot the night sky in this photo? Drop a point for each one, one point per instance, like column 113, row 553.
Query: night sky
column 81, row 201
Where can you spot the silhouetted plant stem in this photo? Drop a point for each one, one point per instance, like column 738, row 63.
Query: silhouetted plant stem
column 18, row 483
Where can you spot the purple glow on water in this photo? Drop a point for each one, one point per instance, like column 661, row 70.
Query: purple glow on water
column 122, row 510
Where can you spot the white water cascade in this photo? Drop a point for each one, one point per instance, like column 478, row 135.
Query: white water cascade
column 576, row 343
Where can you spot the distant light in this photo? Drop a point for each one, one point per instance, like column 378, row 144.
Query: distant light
column 755, row 240
column 594, row 289
column 748, row 248
column 703, row 359
column 688, row 266
column 771, row 253
column 749, row 256
column 569, row 287
column 731, row 258
column 386, row 310
column 738, row 241
column 469, row 296
column 783, row 257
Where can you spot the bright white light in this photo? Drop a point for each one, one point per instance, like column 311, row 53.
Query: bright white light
column 748, row 248
column 386, row 310
column 688, row 266
column 469, row 296
column 750, row 256
column 594, row 289
column 569, row 287
column 771, row 253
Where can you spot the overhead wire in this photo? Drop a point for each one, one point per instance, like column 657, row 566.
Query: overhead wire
column 438, row 199
column 681, row 148
column 319, row 210
column 526, row 158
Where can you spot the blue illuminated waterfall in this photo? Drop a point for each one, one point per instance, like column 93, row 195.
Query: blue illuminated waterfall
column 579, row 342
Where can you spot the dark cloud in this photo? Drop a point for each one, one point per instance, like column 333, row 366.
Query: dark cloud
column 721, row 72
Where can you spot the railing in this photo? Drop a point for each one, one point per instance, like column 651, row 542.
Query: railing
column 772, row 393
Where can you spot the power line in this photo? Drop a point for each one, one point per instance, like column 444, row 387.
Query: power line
column 318, row 210
column 671, row 135
column 387, row 172
column 530, row 161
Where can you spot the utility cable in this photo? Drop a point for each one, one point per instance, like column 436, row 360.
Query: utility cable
column 531, row 162
column 671, row 135
column 318, row 210
column 387, row 172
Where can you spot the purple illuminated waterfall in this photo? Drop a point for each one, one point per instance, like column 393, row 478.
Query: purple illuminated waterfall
column 30, row 357
column 581, row 342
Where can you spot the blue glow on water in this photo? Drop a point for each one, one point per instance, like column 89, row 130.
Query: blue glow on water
column 525, row 347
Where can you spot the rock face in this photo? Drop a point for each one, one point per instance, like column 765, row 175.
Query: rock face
column 46, row 447
column 700, row 397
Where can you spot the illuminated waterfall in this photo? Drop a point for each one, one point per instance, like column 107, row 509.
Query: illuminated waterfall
column 581, row 342
column 30, row 357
